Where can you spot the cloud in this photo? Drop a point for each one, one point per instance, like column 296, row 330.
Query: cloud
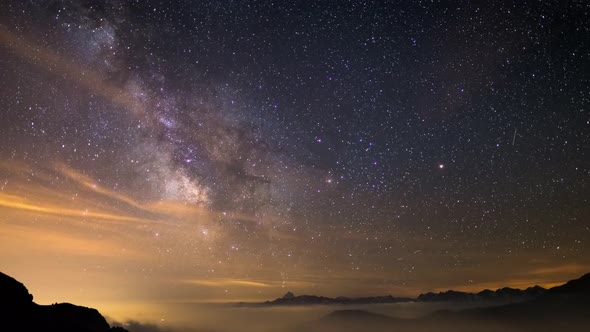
column 52, row 62
column 16, row 239
column 93, row 185
column 23, row 203
column 562, row 269
column 228, row 282
column 135, row 326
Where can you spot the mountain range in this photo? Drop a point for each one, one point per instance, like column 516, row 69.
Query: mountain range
column 291, row 299
column 562, row 308
column 503, row 295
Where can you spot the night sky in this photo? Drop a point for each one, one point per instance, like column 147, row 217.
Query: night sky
column 157, row 151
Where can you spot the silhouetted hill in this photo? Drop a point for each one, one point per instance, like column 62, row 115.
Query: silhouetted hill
column 570, row 299
column 561, row 308
column 573, row 289
column 18, row 312
column 565, row 307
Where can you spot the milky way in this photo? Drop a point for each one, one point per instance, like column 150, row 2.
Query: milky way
column 233, row 150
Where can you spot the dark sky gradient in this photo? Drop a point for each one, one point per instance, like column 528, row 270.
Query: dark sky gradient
column 233, row 150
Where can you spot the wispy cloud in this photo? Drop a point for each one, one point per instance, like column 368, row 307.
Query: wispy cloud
column 17, row 238
column 89, row 183
column 562, row 269
column 51, row 61
column 228, row 282
column 24, row 203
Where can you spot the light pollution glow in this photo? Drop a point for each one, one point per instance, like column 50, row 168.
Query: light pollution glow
column 104, row 248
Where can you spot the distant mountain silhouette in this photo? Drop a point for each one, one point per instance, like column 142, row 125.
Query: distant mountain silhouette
column 18, row 312
column 562, row 308
column 503, row 294
column 290, row 299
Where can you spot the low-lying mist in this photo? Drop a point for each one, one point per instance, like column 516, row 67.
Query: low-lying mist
column 230, row 318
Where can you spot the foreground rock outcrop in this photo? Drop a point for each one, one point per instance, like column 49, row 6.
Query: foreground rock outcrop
column 18, row 312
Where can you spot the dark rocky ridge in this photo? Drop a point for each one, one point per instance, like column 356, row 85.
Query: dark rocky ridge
column 18, row 312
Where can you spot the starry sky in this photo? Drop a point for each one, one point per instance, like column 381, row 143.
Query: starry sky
column 182, row 151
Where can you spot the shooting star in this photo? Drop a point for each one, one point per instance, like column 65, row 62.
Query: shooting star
column 514, row 137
